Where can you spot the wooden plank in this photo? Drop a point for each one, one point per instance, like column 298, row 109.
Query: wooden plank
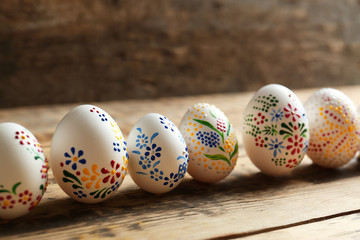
column 245, row 202
column 341, row 227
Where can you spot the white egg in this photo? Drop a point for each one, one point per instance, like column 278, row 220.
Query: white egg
column 158, row 154
column 23, row 171
column 212, row 143
column 275, row 130
column 334, row 128
column 88, row 154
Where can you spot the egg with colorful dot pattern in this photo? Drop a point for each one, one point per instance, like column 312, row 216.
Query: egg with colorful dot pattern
column 158, row 154
column 23, row 171
column 212, row 143
column 88, row 154
column 275, row 130
column 334, row 128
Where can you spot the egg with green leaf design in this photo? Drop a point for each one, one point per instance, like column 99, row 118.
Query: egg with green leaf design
column 23, row 171
column 212, row 142
column 275, row 130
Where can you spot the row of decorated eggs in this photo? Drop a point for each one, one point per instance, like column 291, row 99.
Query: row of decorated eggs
column 90, row 157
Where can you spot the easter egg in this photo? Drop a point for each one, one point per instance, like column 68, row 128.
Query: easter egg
column 211, row 141
column 158, row 154
column 275, row 130
column 334, row 128
column 88, row 154
column 23, row 171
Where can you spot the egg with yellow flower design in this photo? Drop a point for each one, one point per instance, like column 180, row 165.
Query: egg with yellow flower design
column 211, row 141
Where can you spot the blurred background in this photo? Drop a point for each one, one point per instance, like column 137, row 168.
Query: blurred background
column 64, row 51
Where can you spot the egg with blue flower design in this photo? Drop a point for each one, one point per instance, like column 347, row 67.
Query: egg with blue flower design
column 212, row 142
column 158, row 154
column 275, row 130
column 88, row 154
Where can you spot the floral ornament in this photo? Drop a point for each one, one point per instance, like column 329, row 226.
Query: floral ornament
column 171, row 179
column 209, row 139
column 276, row 115
column 142, row 141
column 295, row 144
column 212, row 139
column 182, row 170
column 290, row 112
column 271, row 130
column 115, row 186
column 276, row 146
column 153, row 152
column 112, row 174
column 168, row 124
column 144, row 162
column 102, row 116
column 91, row 177
column 7, row 202
column 156, row 174
column 23, row 137
column 220, row 125
column 44, row 169
column 25, row 197
column 74, row 158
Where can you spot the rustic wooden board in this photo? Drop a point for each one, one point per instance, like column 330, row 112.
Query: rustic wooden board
column 246, row 204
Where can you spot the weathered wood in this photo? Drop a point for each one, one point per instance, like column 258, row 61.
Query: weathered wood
column 246, row 203
column 64, row 51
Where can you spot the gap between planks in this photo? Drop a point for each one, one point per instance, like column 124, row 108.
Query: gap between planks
column 286, row 226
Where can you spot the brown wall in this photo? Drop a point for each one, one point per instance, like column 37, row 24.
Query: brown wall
column 65, row 51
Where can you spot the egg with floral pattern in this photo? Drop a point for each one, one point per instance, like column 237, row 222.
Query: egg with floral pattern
column 158, row 154
column 275, row 130
column 88, row 154
column 334, row 128
column 212, row 143
column 23, row 171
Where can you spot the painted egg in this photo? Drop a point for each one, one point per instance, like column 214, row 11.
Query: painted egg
column 275, row 130
column 23, row 171
column 334, row 128
column 158, row 154
column 212, row 143
column 88, row 154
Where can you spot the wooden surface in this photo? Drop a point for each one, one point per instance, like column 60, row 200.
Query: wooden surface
column 63, row 51
column 310, row 203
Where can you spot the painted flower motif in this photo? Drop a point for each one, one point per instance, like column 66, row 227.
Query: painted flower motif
column 74, row 158
column 125, row 149
column 35, row 203
column 91, row 178
column 23, row 137
column 25, row 197
column 7, row 202
column 103, row 117
column 276, row 115
column 156, row 174
column 80, row 194
column 142, row 141
column 37, row 146
column 291, row 163
column 112, row 174
column 211, row 139
column 117, row 147
column 276, row 146
column 44, row 169
column 182, row 170
column 167, row 123
column 186, row 154
column 296, row 144
column 291, row 113
column 144, row 162
column 169, row 181
column 153, row 152
column 221, row 125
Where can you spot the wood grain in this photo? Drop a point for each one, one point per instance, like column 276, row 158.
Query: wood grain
column 246, row 204
column 62, row 51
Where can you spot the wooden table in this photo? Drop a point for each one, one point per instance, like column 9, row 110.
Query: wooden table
column 312, row 202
